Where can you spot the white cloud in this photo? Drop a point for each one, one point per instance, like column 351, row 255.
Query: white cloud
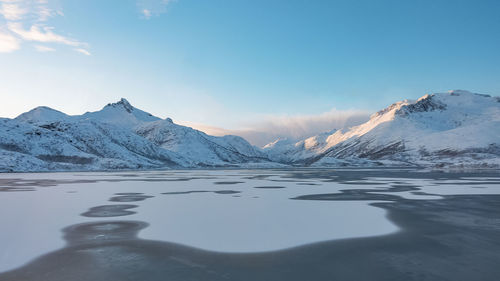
column 149, row 8
column 33, row 14
column 8, row 43
column 38, row 10
column 40, row 34
column 271, row 127
column 12, row 11
column 83, row 51
column 44, row 13
column 146, row 13
column 43, row 49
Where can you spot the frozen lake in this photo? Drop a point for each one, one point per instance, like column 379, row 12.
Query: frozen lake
column 221, row 211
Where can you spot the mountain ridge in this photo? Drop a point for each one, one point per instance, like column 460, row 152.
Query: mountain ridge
column 454, row 129
column 414, row 133
column 46, row 139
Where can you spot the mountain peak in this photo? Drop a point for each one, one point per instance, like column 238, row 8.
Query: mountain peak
column 122, row 103
column 426, row 103
column 121, row 113
column 42, row 114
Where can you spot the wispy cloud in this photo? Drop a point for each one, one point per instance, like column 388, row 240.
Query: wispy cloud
column 271, row 127
column 8, row 43
column 83, row 51
column 45, row 13
column 43, row 49
column 12, row 11
column 42, row 34
column 150, row 8
column 34, row 14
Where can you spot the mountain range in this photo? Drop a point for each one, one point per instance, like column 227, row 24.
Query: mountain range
column 455, row 129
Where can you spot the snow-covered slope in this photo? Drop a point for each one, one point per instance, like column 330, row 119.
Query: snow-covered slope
column 195, row 146
column 286, row 151
column 42, row 114
column 199, row 147
column 119, row 136
column 77, row 145
column 458, row 128
column 121, row 114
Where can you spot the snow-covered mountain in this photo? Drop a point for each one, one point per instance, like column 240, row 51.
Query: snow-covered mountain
column 198, row 146
column 122, row 114
column 119, row 136
column 458, row 128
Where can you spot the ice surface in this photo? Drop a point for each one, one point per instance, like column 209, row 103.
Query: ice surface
column 214, row 210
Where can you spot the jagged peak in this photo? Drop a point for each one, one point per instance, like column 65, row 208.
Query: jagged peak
column 122, row 103
column 425, row 103
column 121, row 113
column 424, row 97
column 394, row 106
column 428, row 102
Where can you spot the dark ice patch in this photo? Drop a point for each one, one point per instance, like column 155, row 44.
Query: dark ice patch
column 226, row 192
column 228, row 182
column 184, row 192
column 16, row 189
column 202, row 191
column 363, row 183
column 129, row 198
column 109, row 211
column 353, row 195
column 363, row 194
column 128, row 193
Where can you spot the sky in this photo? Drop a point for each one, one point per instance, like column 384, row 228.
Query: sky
column 261, row 69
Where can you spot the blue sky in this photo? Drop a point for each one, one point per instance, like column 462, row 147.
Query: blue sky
column 238, row 64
